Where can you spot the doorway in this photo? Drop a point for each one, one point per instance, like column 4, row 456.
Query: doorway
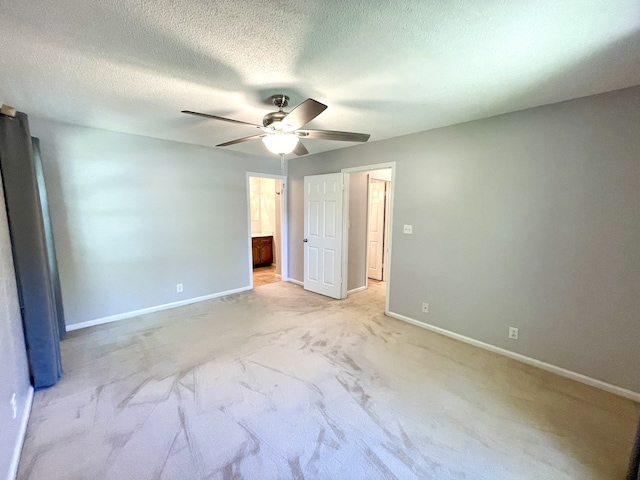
column 368, row 233
column 369, row 220
column 335, row 231
column 266, row 228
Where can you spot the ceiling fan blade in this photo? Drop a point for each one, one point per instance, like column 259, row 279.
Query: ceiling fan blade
column 300, row 149
column 215, row 117
column 332, row 135
column 304, row 113
column 240, row 140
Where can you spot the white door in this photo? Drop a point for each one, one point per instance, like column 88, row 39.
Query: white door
column 375, row 235
column 323, row 234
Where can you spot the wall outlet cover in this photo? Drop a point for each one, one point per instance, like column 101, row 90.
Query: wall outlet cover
column 513, row 333
column 179, row 288
column 425, row 307
column 408, row 229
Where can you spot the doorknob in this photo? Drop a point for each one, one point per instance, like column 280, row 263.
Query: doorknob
column 305, row 240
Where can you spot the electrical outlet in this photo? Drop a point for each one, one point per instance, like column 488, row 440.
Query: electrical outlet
column 14, row 405
column 179, row 288
column 513, row 333
column 425, row 307
column 408, row 229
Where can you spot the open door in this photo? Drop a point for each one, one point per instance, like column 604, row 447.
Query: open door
column 376, row 233
column 323, row 234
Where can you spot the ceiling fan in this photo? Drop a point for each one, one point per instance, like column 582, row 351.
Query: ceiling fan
column 281, row 131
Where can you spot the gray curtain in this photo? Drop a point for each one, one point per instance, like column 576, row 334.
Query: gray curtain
column 32, row 245
column 48, row 237
column 634, row 467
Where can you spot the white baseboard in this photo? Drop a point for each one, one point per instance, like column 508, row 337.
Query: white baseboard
column 22, row 433
column 297, row 282
column 166, row 306
column 623, row 392
column 356, row 290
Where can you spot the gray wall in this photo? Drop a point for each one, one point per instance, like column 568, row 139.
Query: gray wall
column 530, row 219
column 14, row 374
column 358, row 191
column 133, row 216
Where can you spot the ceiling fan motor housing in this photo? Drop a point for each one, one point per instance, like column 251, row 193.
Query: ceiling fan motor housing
column 269, row 118
column 280, row 101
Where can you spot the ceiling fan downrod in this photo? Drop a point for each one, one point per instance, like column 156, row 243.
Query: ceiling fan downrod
column 280, row 100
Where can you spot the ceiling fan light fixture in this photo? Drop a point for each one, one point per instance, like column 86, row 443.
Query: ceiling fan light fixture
column 280, row 130
column 280, row 143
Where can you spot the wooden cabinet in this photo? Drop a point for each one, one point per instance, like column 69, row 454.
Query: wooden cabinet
column 262, row 250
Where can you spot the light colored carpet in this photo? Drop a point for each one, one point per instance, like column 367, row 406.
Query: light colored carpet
column 281, row 383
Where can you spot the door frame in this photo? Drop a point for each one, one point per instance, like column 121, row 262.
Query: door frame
column 284, row 225
column 345, row 223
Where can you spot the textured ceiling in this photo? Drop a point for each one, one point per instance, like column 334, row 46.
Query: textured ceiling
column 384, row 67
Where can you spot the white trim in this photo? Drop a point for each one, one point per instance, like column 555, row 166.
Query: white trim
column 375, row 166
column 623, row 392
column 293, row 280
column 366, row 233
column 250, row 240
column 379, row 177
column 144, row 311
column 387, row 231
column 356, row 290
column 22, row 433
column 345, row 210
column 346, row 226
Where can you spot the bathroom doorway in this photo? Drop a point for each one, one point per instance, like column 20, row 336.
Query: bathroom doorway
column 266, row 222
